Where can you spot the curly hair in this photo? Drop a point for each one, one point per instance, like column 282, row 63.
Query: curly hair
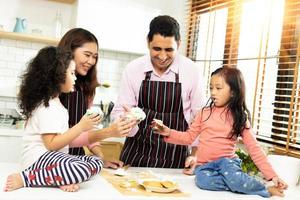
column 72, row 40
column 237, row 104
column 42, row 79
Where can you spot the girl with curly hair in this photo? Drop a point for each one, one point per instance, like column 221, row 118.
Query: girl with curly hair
column 218, row 126
column 45, row 157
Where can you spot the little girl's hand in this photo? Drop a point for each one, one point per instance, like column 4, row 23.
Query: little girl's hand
column 189, row 165
column 279, row 183
column 88, row 122
column 160, row 128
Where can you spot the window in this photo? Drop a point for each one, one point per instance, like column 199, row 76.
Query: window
column 265, row 46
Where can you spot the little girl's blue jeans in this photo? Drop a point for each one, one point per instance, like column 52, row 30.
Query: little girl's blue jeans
column 226, row 174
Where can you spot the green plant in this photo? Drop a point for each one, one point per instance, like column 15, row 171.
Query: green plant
column 247, row 165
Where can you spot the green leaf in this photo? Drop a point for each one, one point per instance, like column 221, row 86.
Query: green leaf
column 247, row 164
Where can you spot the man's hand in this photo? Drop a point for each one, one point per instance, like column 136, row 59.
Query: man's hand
column 127, row 110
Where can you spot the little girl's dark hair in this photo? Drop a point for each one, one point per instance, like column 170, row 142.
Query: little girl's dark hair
column 42, row 79
column 237, row 104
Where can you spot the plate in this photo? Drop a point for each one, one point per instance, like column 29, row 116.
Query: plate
column 156, row 185
column 120, row 172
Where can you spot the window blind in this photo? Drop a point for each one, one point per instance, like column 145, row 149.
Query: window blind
column 261, row 38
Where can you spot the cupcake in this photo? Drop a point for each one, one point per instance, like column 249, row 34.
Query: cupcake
column 95, row 110
column 136, row 114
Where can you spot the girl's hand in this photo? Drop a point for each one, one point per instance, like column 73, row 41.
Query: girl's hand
column 279, row 183
column 121, row 127
column 88, row 122
column 96, row 118
column 160, row 128
column 189, row 166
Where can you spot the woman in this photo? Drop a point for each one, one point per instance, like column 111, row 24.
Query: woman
column 84, row 46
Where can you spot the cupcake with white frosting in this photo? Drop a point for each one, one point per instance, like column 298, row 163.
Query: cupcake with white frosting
column 95, row 111
column 136, row 113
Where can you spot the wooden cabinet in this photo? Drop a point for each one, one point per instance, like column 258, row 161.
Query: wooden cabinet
column 111, row 150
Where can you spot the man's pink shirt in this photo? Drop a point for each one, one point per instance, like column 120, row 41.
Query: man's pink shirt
column 189, row 76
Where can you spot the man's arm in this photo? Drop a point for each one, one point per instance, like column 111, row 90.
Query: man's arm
column 127, row 97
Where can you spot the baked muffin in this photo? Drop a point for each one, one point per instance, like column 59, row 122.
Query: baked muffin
column 95, row 110
column 168, row 184
column 136, row 113
column 152, row 184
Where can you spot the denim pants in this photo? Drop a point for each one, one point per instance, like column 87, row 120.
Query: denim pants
column 226, row 174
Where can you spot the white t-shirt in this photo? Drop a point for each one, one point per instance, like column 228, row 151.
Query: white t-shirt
column 51, row 119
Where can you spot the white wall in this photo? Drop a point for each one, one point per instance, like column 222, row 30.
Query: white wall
column 123, row 24
column 39, row 14
column 176, row 9
column 14, row 56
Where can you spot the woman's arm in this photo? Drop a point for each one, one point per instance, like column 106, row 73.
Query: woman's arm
column 55, row 141
column 119, row 128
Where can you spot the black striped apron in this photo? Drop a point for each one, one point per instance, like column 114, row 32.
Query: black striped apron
column 159, row 100
column 76, row 103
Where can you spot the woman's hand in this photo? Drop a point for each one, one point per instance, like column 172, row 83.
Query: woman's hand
column 121, row 127
column 113, row 164
column 160, row 128
column 279, row 183
column 189, row 166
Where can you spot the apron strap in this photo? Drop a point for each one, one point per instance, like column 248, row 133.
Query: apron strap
column 148, row 76
column 176, row 78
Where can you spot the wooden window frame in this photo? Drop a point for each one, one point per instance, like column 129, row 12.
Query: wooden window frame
column 288, row 145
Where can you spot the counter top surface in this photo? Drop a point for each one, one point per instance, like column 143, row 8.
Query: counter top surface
column 4, row 131
column 99, row 188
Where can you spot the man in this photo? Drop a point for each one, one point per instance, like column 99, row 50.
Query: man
column 166, row 86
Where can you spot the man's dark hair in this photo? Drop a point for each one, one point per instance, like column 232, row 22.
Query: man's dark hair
column 164, row 25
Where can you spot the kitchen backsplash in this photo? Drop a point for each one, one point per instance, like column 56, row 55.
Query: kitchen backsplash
column 15, row 54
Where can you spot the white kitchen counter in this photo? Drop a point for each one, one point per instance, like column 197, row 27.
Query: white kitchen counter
column 11, row 144
column 11, row 132
column 99, row 188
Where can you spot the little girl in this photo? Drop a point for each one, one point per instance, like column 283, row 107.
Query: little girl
column 44, row 158
column 218, row 127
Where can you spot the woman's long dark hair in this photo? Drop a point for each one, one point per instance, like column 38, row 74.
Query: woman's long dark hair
column 72, row 40
column 237, row 104
column 43, row 78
